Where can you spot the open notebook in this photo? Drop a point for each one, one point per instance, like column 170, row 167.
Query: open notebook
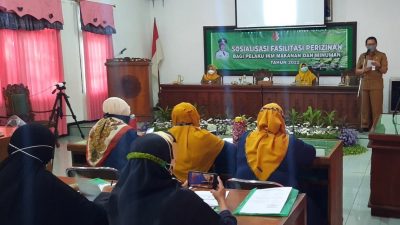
column 268, row 202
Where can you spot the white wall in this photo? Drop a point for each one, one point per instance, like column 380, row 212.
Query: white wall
column 379, row 19
column 134, row 28
column 71, row 58
column 180, row 26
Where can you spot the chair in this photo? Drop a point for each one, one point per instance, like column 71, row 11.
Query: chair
column 258, row 77
column 316, row 73
column 106, row 173
column 17, row 102
column 354, row 79
column 235, row 183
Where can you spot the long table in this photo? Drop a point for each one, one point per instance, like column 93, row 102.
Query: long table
column 384, row 139
column 235, row 100
column 298, row 215
column 328, row 165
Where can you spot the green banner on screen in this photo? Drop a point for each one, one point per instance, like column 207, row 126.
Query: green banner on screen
column 329, row 50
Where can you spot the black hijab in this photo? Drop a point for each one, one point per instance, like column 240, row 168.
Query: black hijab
column 31, row 195
column 146, row 193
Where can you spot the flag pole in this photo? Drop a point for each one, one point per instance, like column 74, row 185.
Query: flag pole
column 158, row 77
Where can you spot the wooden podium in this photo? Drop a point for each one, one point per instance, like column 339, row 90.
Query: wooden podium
column 129, row 79
column 384, row 139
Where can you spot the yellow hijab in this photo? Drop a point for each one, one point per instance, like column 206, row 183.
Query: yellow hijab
column 197, row 149
column 267, row 145
column 305, row 78
column 211, row 77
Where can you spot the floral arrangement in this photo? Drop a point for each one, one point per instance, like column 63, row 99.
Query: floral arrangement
column 348, row 136
column 239, row 126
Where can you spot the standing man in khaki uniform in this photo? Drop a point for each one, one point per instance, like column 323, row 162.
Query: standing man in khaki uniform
column 371, row 66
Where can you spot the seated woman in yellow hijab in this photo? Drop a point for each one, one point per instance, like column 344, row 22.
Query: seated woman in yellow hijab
column 269, row 153
column 211, row 76
column 305, row 76
column 198, row 149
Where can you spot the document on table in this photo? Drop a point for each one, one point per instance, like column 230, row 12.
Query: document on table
column 320, row 152
column 91, row 188
column 209, row 198
column 266, row 201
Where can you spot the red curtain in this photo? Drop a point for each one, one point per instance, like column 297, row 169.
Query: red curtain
column 33, row 58
column 97, row 49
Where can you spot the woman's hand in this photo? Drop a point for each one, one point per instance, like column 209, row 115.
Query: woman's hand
column 185, row 184
column 220, row 195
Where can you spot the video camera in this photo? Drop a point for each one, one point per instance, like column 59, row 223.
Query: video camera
column 59, row 86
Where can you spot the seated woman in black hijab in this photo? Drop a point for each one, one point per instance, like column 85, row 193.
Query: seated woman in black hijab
column 31, row 195
column 147, row 194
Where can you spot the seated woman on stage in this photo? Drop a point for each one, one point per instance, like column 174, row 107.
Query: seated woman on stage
column 111, row 136
column 269, row 153
column 211, row 76
column 198, row 149
column 146, row 192
column 305, row 76
column 29, row 194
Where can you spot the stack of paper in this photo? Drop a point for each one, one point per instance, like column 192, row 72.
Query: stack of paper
column 208, row 197
column 271, row 201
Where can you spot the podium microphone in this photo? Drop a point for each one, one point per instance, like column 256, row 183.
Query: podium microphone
column 121, row 52
column 366, row 53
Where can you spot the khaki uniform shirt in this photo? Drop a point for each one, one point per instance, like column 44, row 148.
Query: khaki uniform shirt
column 373, row 79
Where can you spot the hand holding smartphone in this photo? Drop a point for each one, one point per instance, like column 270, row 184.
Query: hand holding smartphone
column 197, row 179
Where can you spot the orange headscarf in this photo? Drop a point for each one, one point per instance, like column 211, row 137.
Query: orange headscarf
column 211, row 77
column 266, row 147
column 197, row 149
column 305, row 78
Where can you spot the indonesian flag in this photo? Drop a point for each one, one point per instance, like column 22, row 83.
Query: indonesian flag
column 156, row 51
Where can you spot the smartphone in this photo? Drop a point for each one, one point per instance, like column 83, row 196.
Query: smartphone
column 198, row 179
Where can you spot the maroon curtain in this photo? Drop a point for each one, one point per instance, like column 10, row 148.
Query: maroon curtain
column 33, row 58
column 97, row 49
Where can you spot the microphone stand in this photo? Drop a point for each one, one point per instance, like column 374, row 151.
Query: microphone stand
column 359, row 87
column 361, row 77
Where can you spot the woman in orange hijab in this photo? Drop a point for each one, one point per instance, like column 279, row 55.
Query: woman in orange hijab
column 211, row 76
column 305, row 76
column 269, row 153
column 198, row 149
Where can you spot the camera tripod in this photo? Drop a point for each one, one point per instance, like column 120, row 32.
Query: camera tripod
column 57, row 111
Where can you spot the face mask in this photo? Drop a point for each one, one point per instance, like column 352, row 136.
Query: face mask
column 211, row 72
column 371, row 48
column 304, row 69
column 30, row 155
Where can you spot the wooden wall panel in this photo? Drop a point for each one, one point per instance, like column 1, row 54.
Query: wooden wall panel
column 231, row 100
